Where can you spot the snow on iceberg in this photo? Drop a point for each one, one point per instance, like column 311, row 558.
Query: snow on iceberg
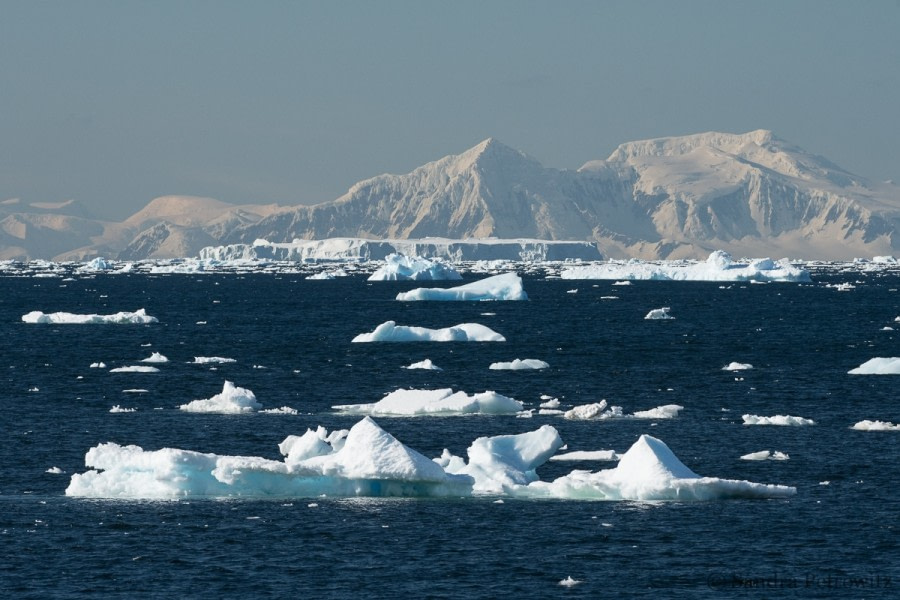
column 399, row 267
column 875, row 426
column 878, row 366
column 718, row 267
column 389, row 331
column 783, row 420
column 231, row 400
column 507, row 286
column 138, row 317
column 442, row 402
column 424, row 364
column 659, row 314
column 736, row 366
column 519, row 365
column 369, row 462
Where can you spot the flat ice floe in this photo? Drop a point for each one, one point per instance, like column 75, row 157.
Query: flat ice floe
column 389, row 331
column 135, row 369
column 878, row 366
column 875, row 426
column 399, row 267
column 212, row 360
column 507, row 286
column 442, row 402
column 230, row 401
column 156, row 357
column 736, row 366
column 519, row 365
column 600, row 411
column 718, row 267
column 783, row 420
column 368, row 461
column 766, row 455
column 586, row 455
column 426, row 365
column 139, row 317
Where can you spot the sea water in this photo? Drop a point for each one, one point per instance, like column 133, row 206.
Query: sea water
column 290, row 339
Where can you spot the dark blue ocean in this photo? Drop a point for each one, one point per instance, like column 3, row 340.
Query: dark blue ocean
column 291, row 339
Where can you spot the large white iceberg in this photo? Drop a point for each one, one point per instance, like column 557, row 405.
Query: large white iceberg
column 718, row 267
column 389, row 331
column 442, row 402
column 878, row 366
column 139, row 317
column 518, row 364
column 231, row 400
column 399, row 267
column 368, row 461
column 507, row 286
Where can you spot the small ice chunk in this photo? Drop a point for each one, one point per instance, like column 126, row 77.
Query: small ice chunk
column 519, row 365
column 878, row 366
column 134, row 369
column 507, row 286
column 592, row 412
column 783, row 420
column 441, row 402
column 119, row 409
column 569, row 582
column 389, row 331
column 214, row 360
column 138, row 317
column 424, row 364
column 551, row 403
column 55, row 471
column 98, row 365
column 231, row 400
column 156, row 357
column 659, row 314
column 668, row 411
column 736, row 366
column 875, row 426
column 591, row 455
column 282, row 410
column 766, row 455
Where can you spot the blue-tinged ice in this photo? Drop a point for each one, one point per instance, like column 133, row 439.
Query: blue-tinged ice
column 399, row 267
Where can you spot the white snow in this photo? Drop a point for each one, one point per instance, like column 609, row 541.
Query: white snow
column 399, row 267
column 592, row 455
column 718, row 267
column 507, row 286
column 783, row 420
column 231, row 400
column 119, row 409
column 876, row 426
column 736, row 366
column 156, row 357
column 766, row 455
column 519, row 365
column 212, row 360
column 659, row 314
column 424, row 364
column 134, row 369
column 138, row 317
column 389, row 331
column 878, row 366
column 441, row 402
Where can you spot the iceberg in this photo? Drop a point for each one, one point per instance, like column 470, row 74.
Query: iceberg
column 592, row 455
column 878, row 366
column 139, row 317
column 718, row 267
column 519, row 365
column 399, row 267
column 134, row 369
column 442, row 402
column 736, row 366
column 875, row 426
column 668, row 411
column 156, row 357
column 783, row 420
column 389, row 331
column 424, row 364
column 659, row 314
column 368, row 462
column 212, row 360
column 598, row 411
column 766, row 455
column 507, row 286
column 119, row 409
column 231, row 400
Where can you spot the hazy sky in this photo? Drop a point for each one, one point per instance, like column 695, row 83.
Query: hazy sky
column 113, row 103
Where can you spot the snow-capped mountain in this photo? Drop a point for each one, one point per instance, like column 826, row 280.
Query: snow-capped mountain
column 750, row 194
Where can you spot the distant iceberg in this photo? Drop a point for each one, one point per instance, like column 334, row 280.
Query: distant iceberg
column 600, row 411
column 389, row 331
column 519, row 365
column 135, row 369
column 507, row 286
column 659, row 314
column 718, row 267
column 766, row 455
column 156, row 357
column 212, row 360
column 783, row 420
column 878, row 366
column 230, row 401
column 399, row 267
column 368, row 461
column 736, row 366
column 442, row 402
column 426, row 365
column 138, row 317
column 875, row 426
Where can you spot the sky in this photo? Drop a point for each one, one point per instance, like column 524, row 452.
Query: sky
column 113, row 103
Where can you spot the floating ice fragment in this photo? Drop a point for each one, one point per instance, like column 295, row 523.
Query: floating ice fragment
column 399, row 267
column 507, row 286
column 875, row 426
column 736, row 366
column 98, row 365
column 389, row 331
column 156, row 357
column 878, row 366
column 668, row 411
column 592, row 455
column 442, row 402
column 231, row 400
column 134, row 369
column 766, row 455
column 551, row 403
column 659, row 314
column 55, row 471
column 283, row 410
column 206, row 360
column 569, row 582
column 138, row 317
column 519, row 365
column 783, row 420
column 119, row 409
column 424, row 364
